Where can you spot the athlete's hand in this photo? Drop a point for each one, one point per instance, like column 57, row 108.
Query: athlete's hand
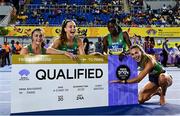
column 96, row 54
column 121, row 56
column 71, row 55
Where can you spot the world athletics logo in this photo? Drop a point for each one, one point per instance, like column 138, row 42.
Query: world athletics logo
column 24, row 74
column 151, row 31
column 123, row 72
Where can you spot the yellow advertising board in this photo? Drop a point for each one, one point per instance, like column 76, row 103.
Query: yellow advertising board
column 98, row 31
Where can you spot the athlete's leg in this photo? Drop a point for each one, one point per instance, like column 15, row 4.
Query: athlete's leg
column 158, row 92
column 147, row 92
column 165, row 81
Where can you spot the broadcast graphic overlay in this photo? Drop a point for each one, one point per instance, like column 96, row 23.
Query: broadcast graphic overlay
column 123, row 69
column 50, row 82
column 55, row 82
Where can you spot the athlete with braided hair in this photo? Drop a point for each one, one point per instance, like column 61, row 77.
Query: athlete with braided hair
column 116, row 41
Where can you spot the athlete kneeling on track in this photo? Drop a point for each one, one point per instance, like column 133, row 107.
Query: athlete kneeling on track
column 158, row 82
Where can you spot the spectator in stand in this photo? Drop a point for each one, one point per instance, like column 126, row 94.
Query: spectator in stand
column 85, row 43
column 177, row 54
column 151, row 46
column 164, row 10
column 7, row 49
column 91, row 48
column 13, row 48
column 136, row 39
column 22, row 17
column 0, row 49
column 34, row 13
column 99, row 46
column 146, row 43
column 1, row 56
column 178, row 46
column 136, row 17
column 18, row 47
column 3, row 60
column 165, row 52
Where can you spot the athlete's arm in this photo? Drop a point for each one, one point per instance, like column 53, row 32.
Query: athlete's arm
column 127, row 39
column 80, row 47
column 105, row 44
column 24, row 51
column 143, row 73
column 148, row 67
column 52, row 49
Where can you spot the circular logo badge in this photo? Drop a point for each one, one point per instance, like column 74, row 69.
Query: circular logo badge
column 123, row 72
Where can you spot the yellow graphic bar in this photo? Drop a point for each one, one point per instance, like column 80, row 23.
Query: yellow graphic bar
column 58, row 59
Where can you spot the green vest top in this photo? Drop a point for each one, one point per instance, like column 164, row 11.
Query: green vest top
column 72, row 49
column 118, row 46
column 157, row 69
column 30, row 50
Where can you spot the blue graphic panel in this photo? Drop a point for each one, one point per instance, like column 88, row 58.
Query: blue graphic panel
column 122, row 94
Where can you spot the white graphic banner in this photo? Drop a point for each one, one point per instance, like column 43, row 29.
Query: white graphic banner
column 43, row 87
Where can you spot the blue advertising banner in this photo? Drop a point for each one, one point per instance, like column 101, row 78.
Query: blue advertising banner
column 122, row 94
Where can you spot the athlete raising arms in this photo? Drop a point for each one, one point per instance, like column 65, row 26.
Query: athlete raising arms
column 158, row 82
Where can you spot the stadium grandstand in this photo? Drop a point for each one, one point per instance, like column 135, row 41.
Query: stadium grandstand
column 98, row 12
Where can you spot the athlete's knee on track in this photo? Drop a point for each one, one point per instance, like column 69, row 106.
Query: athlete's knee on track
column 164, row 80
column 142, row 99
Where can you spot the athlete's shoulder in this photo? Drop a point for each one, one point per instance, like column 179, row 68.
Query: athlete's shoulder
column 24, row 50
column 105, row 37
column 151, row 58
column 28, row 46
column 56, row 40
column 125, row 32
